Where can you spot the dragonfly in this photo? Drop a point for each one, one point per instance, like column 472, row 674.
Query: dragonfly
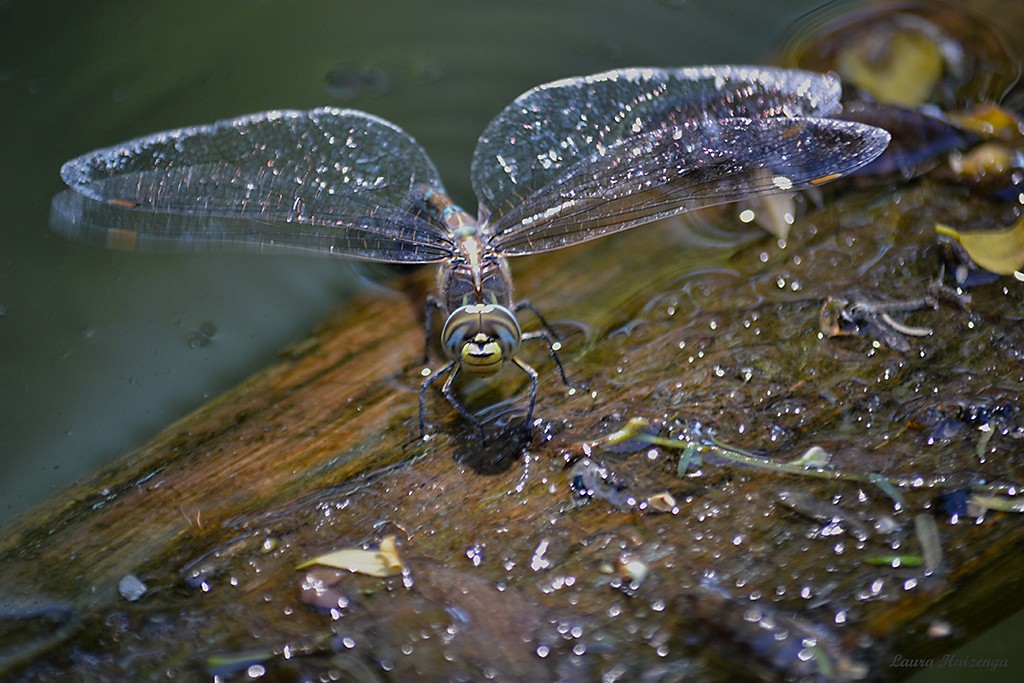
column 566, row 162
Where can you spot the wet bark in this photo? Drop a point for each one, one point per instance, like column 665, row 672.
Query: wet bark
column 522, row 558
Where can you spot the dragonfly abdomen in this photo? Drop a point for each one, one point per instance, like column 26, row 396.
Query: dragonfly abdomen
column 442, row 208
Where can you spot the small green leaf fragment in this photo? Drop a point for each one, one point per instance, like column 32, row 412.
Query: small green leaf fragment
column 997, row 503
column 888, row 488
column 986, row 436
column 688, row 456
column 928, row 536
column 823, row 662
column 229, row 663
column 896, row 561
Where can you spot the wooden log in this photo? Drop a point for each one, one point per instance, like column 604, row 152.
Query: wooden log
column 524, row 558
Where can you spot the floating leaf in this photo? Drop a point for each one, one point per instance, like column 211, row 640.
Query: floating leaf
column 908, row 52
column 663, row 501
column 381, row 562
column 990, row 119
column 904, row 70
column 990, row 158
column 816, row 457
column 982, row 446
column 997, row 251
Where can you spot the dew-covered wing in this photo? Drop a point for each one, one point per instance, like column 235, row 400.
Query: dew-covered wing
column 553, row 127
column 682, row 165
column 329, row 182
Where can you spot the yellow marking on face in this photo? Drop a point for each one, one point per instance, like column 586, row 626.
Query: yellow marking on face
column 481, row 355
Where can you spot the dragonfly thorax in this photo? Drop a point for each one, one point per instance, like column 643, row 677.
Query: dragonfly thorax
column 488, row 281
column 481, row 337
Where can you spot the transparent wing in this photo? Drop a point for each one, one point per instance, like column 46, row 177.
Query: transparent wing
column 327, row 181
column 552, row 127
column 680, row 166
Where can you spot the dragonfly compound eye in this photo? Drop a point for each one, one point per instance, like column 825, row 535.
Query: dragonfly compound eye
column 481, row 337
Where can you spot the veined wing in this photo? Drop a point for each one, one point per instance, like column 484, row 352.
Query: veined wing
column 326, row 181
column 552, row 127
column 680, row 166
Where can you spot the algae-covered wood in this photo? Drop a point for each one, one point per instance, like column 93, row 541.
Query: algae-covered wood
column 530, row 560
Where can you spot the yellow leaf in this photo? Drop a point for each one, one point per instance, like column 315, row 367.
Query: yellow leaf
column 985, row 159
column 899, row 68
column 997, row 251
column 990, row 119
column 381, row 562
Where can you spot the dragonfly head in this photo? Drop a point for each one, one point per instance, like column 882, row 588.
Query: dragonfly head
column 481, row 337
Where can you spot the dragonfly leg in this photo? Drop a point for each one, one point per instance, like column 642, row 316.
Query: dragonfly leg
column 433, row 304
column 546, row 338
column 526, row 305
column 446, row 389
column 533, row 390
column 450, row 371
